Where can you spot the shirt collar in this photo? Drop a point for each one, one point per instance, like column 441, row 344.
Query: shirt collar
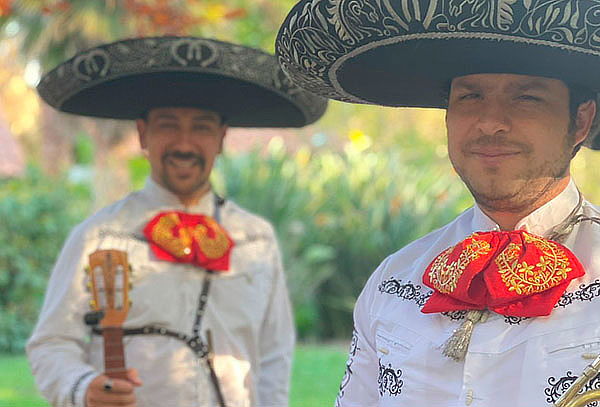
column 165, row 199
column 540, row 221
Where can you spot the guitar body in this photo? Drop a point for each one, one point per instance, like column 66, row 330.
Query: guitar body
column 109, row 283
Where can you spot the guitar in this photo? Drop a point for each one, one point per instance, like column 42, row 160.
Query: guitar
column 109, row 284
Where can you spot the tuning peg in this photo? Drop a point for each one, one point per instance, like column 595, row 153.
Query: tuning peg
column 93, row 304
column 88, row 286
column 130, row 285
column 87, row 269
column 93, row 318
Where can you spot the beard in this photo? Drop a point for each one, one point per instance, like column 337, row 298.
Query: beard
column 504, row 190
column 185, row 161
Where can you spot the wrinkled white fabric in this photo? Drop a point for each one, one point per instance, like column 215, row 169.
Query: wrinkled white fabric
column 248, row 313
column 396, row 354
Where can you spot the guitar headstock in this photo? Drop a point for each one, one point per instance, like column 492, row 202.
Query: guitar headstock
column 109, row 283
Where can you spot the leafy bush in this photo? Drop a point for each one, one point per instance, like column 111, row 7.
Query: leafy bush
column 36, row 214
column 338, row 216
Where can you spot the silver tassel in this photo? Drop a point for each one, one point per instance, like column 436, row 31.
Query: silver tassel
column 457, row 345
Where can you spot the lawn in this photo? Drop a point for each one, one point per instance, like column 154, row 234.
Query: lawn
column 316, row 377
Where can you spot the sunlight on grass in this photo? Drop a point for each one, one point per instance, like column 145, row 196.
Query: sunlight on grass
column 316, row 375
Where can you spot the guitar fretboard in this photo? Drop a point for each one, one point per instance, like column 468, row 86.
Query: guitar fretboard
column 114, row 356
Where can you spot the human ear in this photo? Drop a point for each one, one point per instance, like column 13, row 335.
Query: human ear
column 224, row 129
column 140, row 125
column 586, row 112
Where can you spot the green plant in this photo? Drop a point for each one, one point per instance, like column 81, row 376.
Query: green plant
column 36, row 214
column 338, row 215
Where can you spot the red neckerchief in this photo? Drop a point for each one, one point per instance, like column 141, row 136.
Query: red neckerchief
column 511, row 273
column 185, row 238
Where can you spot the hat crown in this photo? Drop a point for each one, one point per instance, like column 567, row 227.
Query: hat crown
column 406, row 52
column 318, row 33
column 123, row 79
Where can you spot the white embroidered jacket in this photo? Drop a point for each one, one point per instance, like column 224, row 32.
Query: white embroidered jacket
column 396, row 353
column 248, row 313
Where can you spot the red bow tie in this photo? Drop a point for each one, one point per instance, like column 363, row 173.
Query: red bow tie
column 511, row 273
column 185, row 238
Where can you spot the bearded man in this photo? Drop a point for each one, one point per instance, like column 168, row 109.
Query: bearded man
column 499, row 307
column 209, row 322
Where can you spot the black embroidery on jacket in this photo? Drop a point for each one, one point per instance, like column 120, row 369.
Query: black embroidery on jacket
column 510, row 320
column 560, row 385
column 455, row 315
column 585, row 293
column 411, row 292
column 406, row 291
column 348, row 373
column 389, row 380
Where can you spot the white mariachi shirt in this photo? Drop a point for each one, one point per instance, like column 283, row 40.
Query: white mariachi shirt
column 396, row 352
column 247, row 312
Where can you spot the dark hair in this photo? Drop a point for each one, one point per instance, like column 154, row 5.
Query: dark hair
column 577, row 96
column 145, row 113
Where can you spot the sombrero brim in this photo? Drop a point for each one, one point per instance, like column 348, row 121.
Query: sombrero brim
column 123, row 80
column 418, row 73
column 406, row 56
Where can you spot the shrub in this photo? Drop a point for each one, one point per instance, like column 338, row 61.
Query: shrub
column 36, row 214
column 338, row 216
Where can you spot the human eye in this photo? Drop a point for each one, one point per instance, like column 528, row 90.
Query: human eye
column 167, row 125
column 469, row 96
column 527, row 97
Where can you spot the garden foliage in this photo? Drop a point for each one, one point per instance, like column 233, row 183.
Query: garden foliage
column 36, row 214
column 338, row 216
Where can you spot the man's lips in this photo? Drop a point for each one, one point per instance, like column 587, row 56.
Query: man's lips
column 182, row 161
column 493, row 152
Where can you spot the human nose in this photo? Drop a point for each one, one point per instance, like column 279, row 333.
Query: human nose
column 493, row 118
column 184, row 140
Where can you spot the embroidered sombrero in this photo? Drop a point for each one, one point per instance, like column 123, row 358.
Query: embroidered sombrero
column 124, row 79
column 405, row 52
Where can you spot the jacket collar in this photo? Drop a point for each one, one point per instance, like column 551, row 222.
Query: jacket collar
column 164, row 199
column 541, row 221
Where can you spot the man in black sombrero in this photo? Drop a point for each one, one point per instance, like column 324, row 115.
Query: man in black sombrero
column 500, row 306
column 209, row 322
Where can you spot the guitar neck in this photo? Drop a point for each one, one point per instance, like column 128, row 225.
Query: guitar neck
column 114, row 355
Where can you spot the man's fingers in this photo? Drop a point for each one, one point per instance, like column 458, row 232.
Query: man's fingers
column 106, row 392
column 117, row 386
column 110, row 399
column 133, row 377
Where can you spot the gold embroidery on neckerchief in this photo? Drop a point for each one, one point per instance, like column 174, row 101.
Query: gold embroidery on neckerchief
column 445, row 276
column 163, row 235
column 212, row 247
column 523, row 278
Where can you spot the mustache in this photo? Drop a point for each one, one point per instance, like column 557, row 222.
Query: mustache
column 499, row 141
column 199, row 159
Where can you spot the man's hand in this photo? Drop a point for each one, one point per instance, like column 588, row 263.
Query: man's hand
column 106, row 392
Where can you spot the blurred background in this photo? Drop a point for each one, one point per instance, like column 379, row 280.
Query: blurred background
column 343, row 193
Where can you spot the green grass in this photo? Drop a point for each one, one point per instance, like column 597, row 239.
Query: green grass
column 16, row 383
column 316, row 376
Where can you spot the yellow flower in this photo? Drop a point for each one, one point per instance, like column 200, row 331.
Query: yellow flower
column 359, row 140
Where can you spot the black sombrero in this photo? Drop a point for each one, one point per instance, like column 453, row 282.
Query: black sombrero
column 122, row 80
column 405, row 52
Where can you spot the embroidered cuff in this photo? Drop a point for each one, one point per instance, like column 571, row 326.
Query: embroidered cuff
column 78, row 390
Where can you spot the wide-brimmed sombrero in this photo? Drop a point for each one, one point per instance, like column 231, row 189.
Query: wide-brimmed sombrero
column 406, row 52
column 124, row 79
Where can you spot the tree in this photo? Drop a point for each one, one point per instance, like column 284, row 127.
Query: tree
column 51, row 31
